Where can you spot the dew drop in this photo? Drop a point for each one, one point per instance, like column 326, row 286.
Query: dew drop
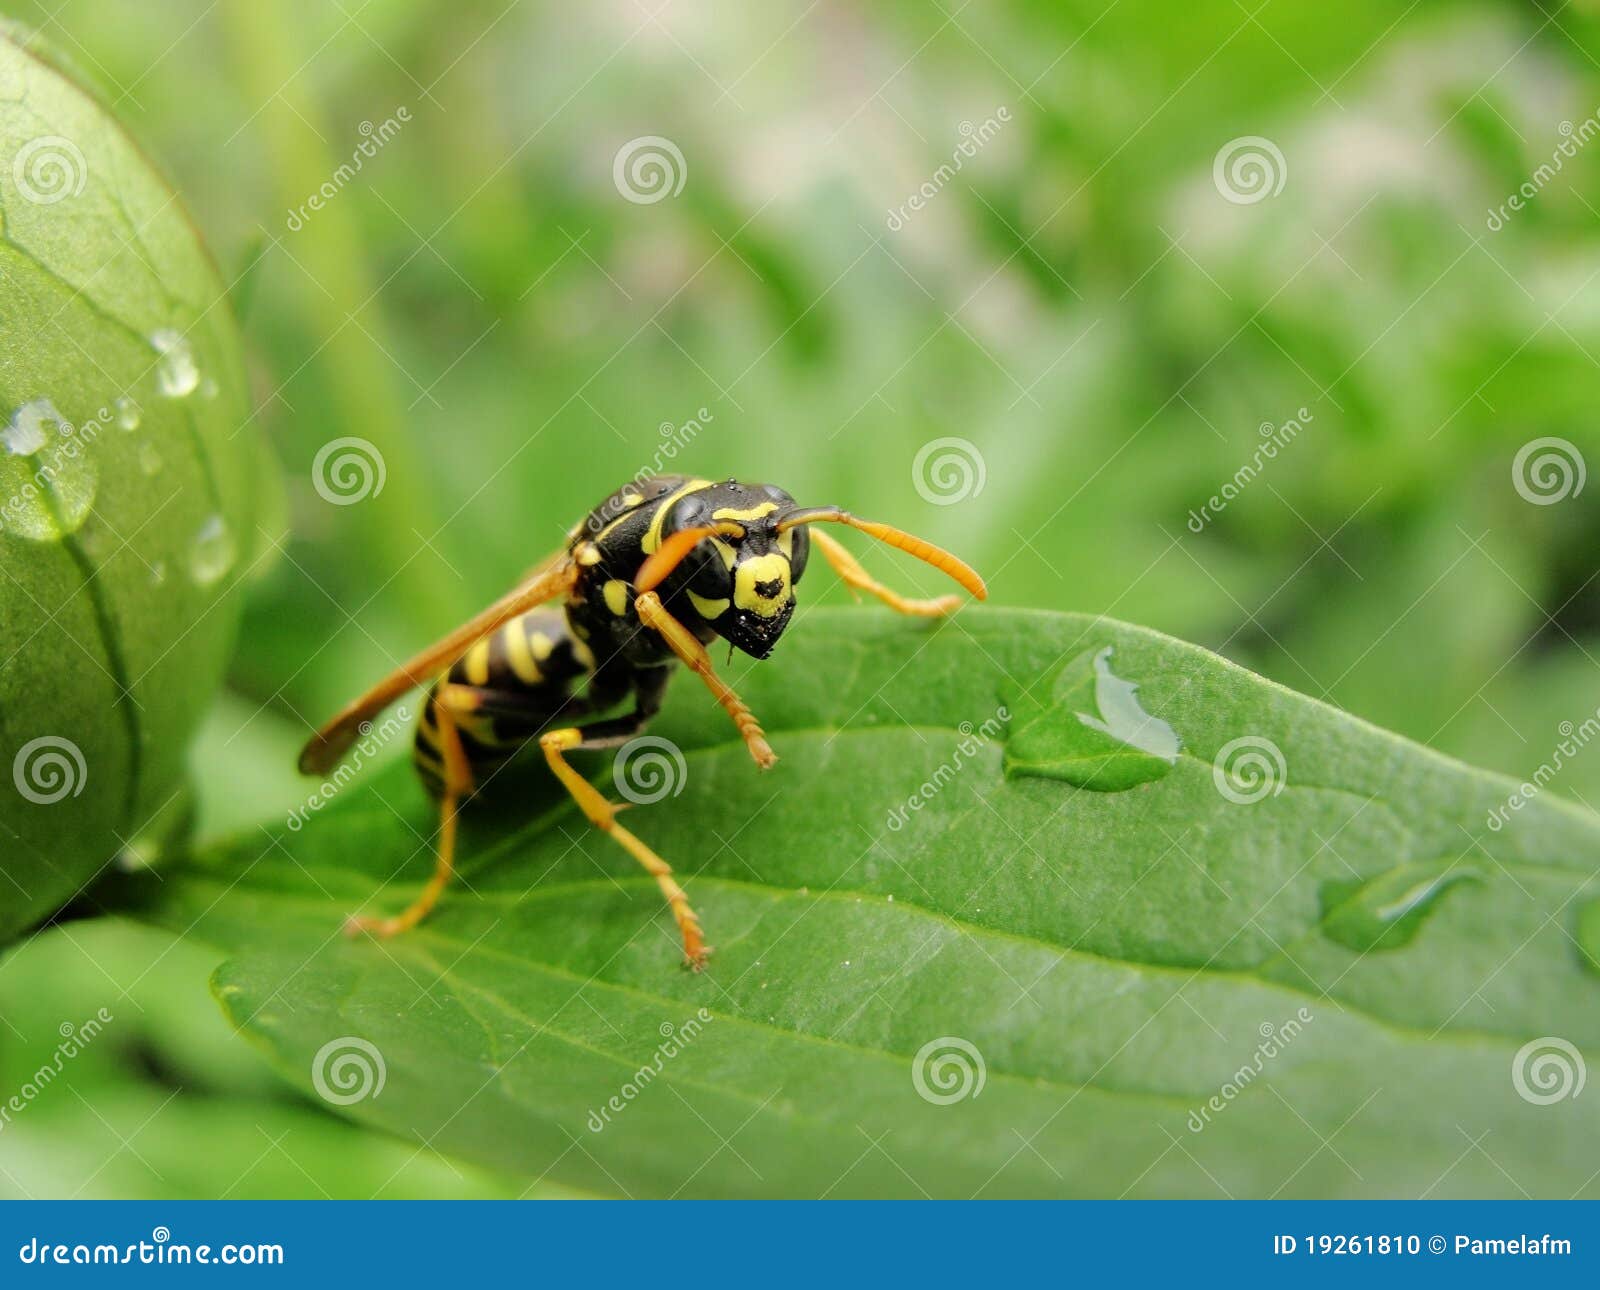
column 31, row 427
column 212, row 552
column 149, row 458
column 127, row 414
column 1388, row 911
column 177, row 374
column 1094, row 732
column 158, row 573
column 47, row 474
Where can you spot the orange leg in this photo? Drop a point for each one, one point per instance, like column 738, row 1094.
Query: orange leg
column 844, row 564
column 457, row 783
column 653, row 614
column 603, row 815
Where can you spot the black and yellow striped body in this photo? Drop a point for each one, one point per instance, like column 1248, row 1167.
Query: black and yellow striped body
column 552, row 665
column 502, row 692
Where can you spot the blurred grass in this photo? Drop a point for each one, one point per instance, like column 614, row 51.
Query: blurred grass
column 1079, row 302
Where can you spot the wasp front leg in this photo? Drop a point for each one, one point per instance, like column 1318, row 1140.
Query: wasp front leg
column 857, row 578
column 653, row 614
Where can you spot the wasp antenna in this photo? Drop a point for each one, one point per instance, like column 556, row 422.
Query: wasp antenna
column 924, row 550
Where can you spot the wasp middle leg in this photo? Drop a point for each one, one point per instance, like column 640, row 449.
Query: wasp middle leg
column 602, row 813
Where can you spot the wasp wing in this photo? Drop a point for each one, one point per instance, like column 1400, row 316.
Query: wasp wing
column 324, row 749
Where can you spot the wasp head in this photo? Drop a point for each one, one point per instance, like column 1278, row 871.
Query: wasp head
column 740, row 581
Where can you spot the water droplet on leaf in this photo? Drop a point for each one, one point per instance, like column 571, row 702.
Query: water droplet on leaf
column 47, row 474
column 177, row 374
column 127, row 414
column 1094, row 733
column 149, row 458
column 212, row 552
column 1387, row 912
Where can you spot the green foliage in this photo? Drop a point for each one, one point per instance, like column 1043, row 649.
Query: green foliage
column 1115, row 959
column 136, row 1087
column 129, row 485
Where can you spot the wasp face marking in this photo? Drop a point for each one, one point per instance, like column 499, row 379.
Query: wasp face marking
column 740, row 582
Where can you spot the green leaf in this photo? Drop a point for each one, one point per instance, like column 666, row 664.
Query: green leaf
column 1096, row 993
column 128, row 1083
column 128, row 472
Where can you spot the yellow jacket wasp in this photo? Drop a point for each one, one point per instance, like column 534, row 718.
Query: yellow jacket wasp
column 649, row 577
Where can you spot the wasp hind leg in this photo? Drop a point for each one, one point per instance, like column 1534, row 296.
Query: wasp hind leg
column 456, row 784
column 603, row 815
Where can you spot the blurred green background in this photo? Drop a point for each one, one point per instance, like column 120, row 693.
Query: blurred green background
column 1081, row 303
